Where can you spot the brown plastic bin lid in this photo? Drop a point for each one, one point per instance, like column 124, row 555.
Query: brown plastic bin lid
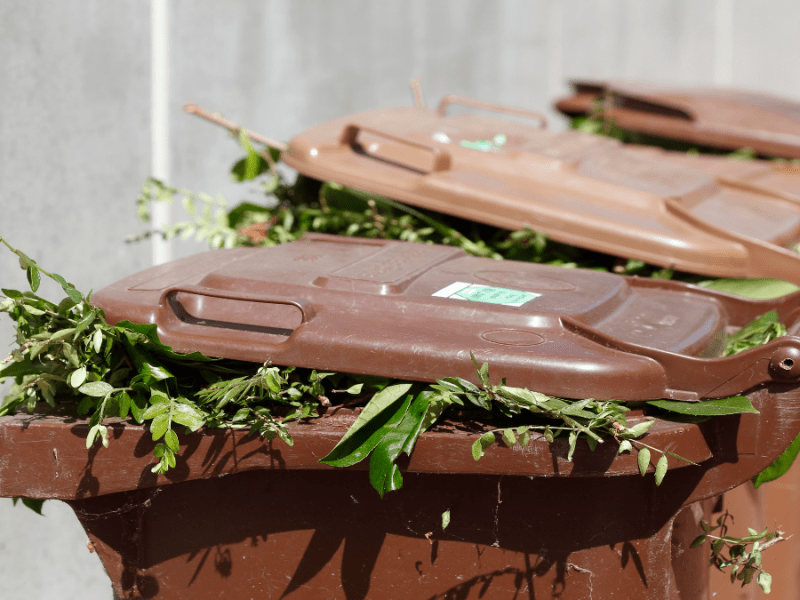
column 778, row 180
column 416, row 311
column 577, row 188
column 718, row 117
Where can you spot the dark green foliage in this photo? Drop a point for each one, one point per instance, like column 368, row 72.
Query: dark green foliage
column 743, row 553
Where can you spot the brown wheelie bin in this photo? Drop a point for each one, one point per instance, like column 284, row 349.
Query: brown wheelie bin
column 245, row 518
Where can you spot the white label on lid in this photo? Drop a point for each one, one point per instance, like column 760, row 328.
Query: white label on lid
column 476, row 292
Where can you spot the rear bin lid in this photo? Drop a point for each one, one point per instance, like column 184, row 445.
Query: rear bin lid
column 718, row 117
column 578, row 188
column 416, row 311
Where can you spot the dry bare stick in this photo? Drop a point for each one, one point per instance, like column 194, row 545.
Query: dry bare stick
column 416, row 91
column 235, row 129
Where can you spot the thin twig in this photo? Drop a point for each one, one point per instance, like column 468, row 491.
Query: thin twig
column 233, row 127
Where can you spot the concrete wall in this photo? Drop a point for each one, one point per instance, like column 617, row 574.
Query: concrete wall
column 75, row 121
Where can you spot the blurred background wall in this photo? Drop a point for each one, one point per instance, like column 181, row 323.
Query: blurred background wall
column 90, row 105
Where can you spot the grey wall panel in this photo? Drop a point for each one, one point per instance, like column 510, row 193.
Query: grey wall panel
column 74, row 150
column 766, row 49
column 46, row 557
column 660, row 40
column 74, row 134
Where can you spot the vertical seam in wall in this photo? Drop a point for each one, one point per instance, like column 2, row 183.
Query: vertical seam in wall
column 555, row 53
column 159, row 122
column 723, row 42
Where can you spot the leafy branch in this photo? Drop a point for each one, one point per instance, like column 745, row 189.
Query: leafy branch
column 743, row 555
column 34, row 273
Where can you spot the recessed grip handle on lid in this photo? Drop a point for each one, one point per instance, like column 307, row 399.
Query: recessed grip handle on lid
column 306, row 309
column 498, row 108
column 441, row 157
column 171, row 309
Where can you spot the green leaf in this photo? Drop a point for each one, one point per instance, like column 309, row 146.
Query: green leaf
column 68, row 288
column 34, row 278
column 188, row 416
column 698, row 541
column 96, row 431
column 637, row 430
column 717, row 546
column 765, row 582
column 249, row 167
column 508, row 437
column 34, row 504
column 272, row 380
column 385, row 408
column 355, row 389
column 77, row 377
column 242, row 214
column 661, row 469
column 97, row 340
column 124, row 401
column 138, row 407
column 756, row 333
column 400, row 438
column 749, row 572
column 755, row 537
column 573, row 443
column 62, row 333
column 146, row 364
column 150, row 333
column 154, row 410
column 171, row 439
column 159, row 426
column 384, row 475
column 480, row 445
column 24, row 260
column 779, row 466
column 86, row 321
column 708, row 408
column 752, row 288
column 524, row 437
column 644, row 460
column 445, row 519
column 524, row 395
column 624, row 446
column 96, row 389
column 36, row 312
column 483, row 374
column 71, row 354
column 20, row 368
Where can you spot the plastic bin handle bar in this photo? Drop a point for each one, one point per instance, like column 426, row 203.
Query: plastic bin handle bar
column 779, row 360
column 489, row 106
column 441, row 157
